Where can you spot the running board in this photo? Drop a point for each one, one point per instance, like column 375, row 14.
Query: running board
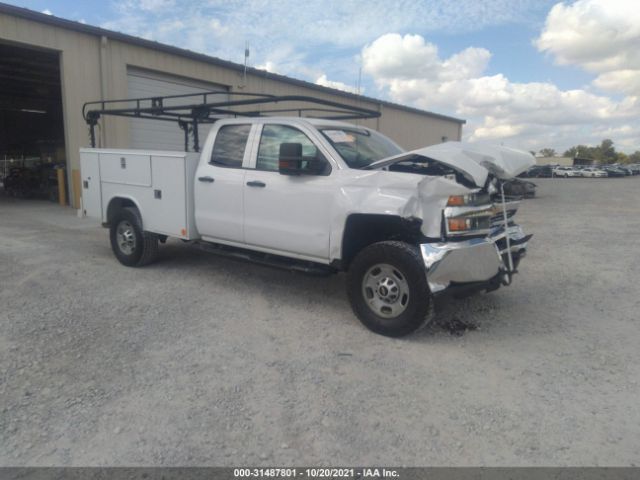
column 267, row 259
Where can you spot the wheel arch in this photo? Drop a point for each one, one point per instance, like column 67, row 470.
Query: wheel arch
column 364, row 229
column 119, row 202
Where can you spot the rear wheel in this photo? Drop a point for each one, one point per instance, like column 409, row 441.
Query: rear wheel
column 388, row 289
column 131, row 245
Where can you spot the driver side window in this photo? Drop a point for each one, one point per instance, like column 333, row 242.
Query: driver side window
column 275, row 135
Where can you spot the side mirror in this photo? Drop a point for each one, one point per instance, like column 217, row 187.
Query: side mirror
column 290, row 159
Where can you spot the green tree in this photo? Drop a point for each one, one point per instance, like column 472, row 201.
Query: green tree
column 603, row 153
column 581, row 151
column 607, row 152
column 548, row 152
column 634, row 157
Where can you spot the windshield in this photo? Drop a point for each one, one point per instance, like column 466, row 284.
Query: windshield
column 360, row 147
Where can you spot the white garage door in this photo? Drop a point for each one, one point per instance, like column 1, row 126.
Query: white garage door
column 157, row 134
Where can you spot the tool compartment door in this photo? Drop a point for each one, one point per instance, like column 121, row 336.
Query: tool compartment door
column 126, row 168
column 91, row 189
column 167, row 201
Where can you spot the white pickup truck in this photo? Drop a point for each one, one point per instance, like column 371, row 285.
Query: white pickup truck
column 322, row 196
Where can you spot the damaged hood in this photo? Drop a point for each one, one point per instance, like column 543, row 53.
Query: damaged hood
column 473, row 161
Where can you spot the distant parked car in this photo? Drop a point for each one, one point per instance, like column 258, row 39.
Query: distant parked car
column 593, row 172
column 635, row 169
column 627, row 171
column 520, row 188
column 532, row 172
column 614, row 171
column 538, row 171
column 566, row 172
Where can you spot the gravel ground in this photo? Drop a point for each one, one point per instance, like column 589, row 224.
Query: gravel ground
column 201, row 360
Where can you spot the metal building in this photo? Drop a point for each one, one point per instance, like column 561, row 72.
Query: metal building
column 50, row 66
column 562, row 161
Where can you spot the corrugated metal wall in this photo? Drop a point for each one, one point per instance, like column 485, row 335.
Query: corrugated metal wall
column 150, row 134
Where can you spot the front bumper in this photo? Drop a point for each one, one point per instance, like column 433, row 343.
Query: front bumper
column 476, row 261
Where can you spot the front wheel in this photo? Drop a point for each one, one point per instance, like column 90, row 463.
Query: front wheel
column 131, row 245
column 388, row 290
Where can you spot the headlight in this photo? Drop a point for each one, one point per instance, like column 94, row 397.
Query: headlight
column 468, row 214
column 471, row 199
column 468, row 224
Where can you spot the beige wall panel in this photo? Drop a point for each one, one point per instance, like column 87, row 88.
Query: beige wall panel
column 563, row 161
column 412, row 130
column 122, row 55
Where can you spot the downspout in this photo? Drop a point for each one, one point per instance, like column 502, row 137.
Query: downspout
column 103, row 85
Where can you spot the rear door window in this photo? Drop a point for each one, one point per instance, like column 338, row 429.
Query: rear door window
column 229, row 146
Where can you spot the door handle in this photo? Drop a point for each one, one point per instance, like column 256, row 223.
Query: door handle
column 256, row 183
column 206, row 179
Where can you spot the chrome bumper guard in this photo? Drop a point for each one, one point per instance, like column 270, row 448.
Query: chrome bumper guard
column 473, row 261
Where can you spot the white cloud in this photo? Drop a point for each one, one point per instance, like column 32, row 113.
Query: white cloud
column 283, row 60
column 325, row 82
column 395, row 56
column 625, row 81
column 268, row 66
column 218, row 28
column 317, row 42
column 596, row 34
column 410, row 57
column 354, row 23
column 492, row 129
column 46, row 11
column 154, row 5
column 530, row 115
column 600, row 36
column 170, row 26
column 222, row 28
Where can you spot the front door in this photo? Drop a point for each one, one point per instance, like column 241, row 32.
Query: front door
column 289, row 214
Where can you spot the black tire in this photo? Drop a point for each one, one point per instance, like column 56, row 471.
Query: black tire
column 142, row 249
column 407, row 267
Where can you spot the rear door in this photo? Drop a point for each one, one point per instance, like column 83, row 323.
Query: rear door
column 218, row 186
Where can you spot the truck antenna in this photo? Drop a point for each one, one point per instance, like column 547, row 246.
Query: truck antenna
column 246, row 57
